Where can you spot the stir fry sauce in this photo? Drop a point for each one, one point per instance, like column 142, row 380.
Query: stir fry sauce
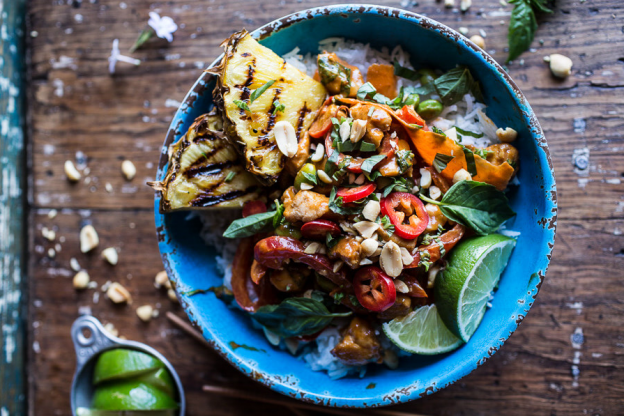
column 358, row 217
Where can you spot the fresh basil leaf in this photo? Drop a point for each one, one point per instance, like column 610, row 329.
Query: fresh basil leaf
column 438, row 131
column 242, row 105
column 258, row 92
column 367, row 147
column 426, row 89
column 230, row 176
column 381, row 99
column 251, row 225
column 332, row 163
column 477, row 205
column 370, row 163
column 468, row 133
column 522, row 28
column 403, row 72
column 279, row 213
column 310, row 177
column 386, row 224
column 405, row 160
column 331, row 241
column 440, row 161
column 335, row 205
column 456, row 83
column 338, row 296
column 371, row 111
column 482, row 153
column 296, row 316
column 540, row 5
column 471, row 165
column 279, row 107
column 366, row 91
column 372, row 176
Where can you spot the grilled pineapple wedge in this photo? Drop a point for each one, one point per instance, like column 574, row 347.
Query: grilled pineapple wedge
column 246, row 67
column 205, row 171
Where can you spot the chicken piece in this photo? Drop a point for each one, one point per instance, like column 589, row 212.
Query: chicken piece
column 305, row 206
column 337, row 76
column 383, row 79
column 401, row 307
column 347, row 250
column 295, row 163
column 401, row 242
column 501, row 153
column 378, row 122
column 359, row 344
column 436, row 218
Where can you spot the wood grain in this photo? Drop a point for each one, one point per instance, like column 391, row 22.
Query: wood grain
column 75, row 105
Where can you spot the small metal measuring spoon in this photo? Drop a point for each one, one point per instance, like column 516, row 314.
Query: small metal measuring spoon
column 88, row 347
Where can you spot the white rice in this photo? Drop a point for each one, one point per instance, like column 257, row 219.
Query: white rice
column 467, row 114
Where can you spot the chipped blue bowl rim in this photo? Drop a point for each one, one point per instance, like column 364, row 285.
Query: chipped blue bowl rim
column 414, row 391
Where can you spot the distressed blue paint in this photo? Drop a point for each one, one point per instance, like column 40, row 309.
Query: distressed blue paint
column 191, row 265
column 12, row 357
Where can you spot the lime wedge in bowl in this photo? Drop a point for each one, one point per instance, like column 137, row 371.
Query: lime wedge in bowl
column 421, row 332
column 123, row 363
column 463, row 289
column 160, row 379
column 131, row 395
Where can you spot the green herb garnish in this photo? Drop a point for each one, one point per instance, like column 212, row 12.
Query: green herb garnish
column 523, row 25
column 258, row 92
column 441, row 161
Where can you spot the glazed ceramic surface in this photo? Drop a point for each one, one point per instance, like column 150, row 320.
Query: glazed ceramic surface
column 191, row 264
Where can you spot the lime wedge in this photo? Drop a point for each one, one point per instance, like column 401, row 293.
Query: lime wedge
column 161, row 379
column 463, row 289
column 123, row 363
column 421, row 332
column 131, row 395
column 83, row 411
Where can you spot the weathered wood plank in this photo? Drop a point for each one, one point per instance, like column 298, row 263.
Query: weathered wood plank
column 533, row 371
column 12, row 180
column 77, row 106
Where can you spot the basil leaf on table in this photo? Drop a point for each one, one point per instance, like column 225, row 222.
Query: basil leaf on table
column 296, row 316
column 477, row 205
column 522, row 27
column 253, row 224
column 440, row 161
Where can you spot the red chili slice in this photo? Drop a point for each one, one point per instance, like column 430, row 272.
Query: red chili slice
column 322, row 124
column 318, row 229
column 273, row 252
column 417, row 217
column 410, row 116
column 374, row 289
column 448, row 240
column 355, row 194
column 243, row 287
column 254, row 207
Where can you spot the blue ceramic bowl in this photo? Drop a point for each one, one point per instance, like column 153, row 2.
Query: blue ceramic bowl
column 191, row 264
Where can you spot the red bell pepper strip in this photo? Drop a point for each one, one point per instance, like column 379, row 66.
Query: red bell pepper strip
column 448, row 240
column 318, row 229
column 243, row 287
column 274, row 252
column 410, row 116
column 417, row 220
column 349, row 195
column 323, row 124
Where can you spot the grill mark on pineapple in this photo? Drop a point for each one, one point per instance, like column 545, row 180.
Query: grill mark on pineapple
column 272, row 116
column 245, row 94
column 209, row 169
column 207, row 199
column 302, row 113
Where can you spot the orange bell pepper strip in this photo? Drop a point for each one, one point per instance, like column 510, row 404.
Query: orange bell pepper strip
column 429, row 144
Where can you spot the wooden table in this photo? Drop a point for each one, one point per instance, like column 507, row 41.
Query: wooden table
column 76, row 109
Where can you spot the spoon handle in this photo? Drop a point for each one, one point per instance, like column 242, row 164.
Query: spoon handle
column 89, row 337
